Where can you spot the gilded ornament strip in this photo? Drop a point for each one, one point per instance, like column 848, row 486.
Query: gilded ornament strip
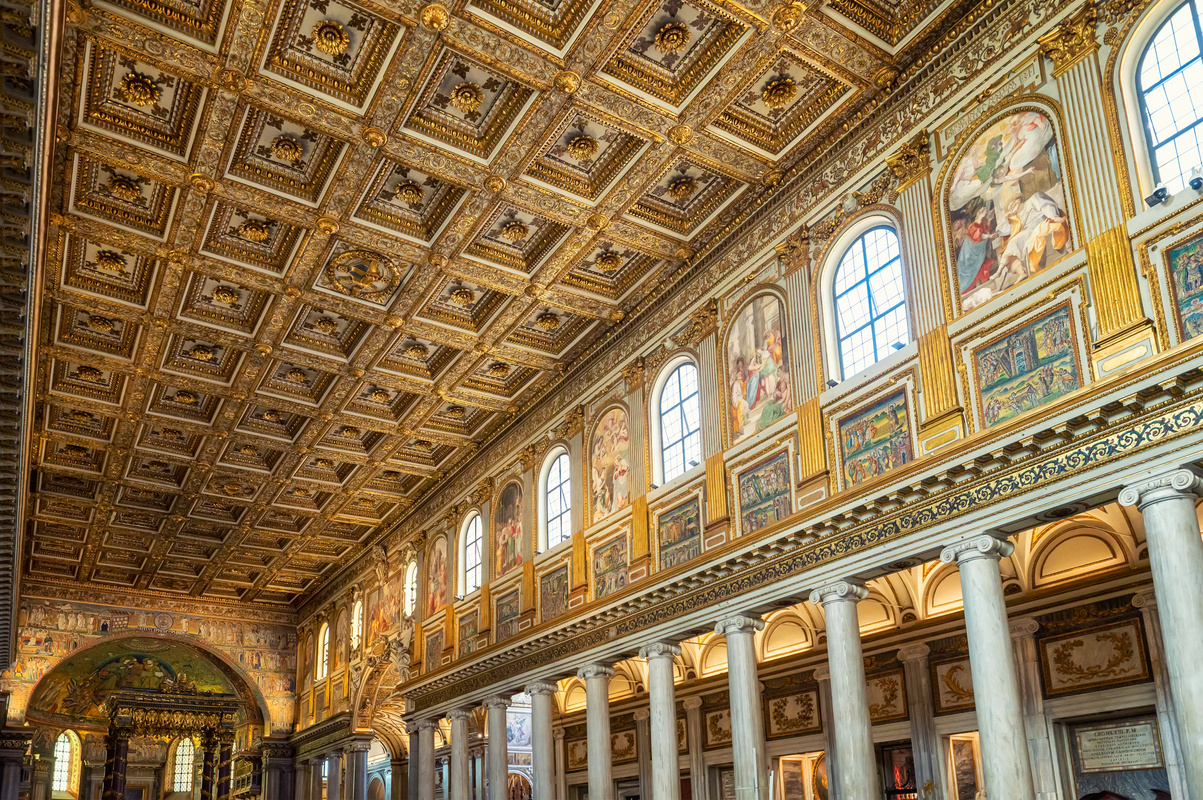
column 1112, row 270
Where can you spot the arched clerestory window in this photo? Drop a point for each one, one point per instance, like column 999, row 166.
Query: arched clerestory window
column 679, row 421
column 323, row 652
column 472, row 554
column 869, row 295
column 1169, row 84
column 183, row 765
column 556, row 482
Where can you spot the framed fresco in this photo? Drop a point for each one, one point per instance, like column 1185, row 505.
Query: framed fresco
column 433, row 651
column 757, row 368
column 506, row 610
column 1008, row 212
column 792, row 714
column 508, row 537
column 1184, row 262
column 953, row 684
column 553, row 593
column 467, row 627
column 766, row 493
column 436, row 572
column 610, row 464
column 679, row 533
column 876, row 439
column 1027, row 367
column 887, row 696
column 609, row 566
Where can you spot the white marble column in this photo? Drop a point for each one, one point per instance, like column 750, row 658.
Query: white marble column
column 498, row 753
column 1027, row 670
column 661, row 689
column 1167, row 503
column 695, row 739
column 925, row 741
column 411, row 772
column 747, row 720
column 643, row 750
column 425, row 729
column 561, row 766
column 597, row 730
column 1171, row 750
column 850, row 722
column 459, row 786
column 1005, row 761
column 822, row 676
column 542, row 703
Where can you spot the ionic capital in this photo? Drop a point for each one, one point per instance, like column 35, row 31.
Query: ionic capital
column 1145, row 600
column 558, row 734
column 642, row 714
column 987, row 545
column 595, row 671
column 913, row 652
column 821, row 673
column 839, row 592
column 1022, row 627
column 1184, row 482
column 421, row 725
column 459, row 714
column 496, row 701
column 659, row 650
column 690, row 703
column 739, row 623
column 540, row 687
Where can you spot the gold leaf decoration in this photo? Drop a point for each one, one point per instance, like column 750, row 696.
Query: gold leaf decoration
column 124, row 188
column 102, row 324
column 185, row 397
column 201, row 352
column 547, row 321
column 515, row 231
column 672, row 37
column 110, row 261
column 462, row 296
column 254, row 230
column 582, row 147
column 682, row 188
column 140, row 90
column 272, row 415
column 467, row 97
column 330, row 38
column 410, row 193
column 417, row 351
column 225, row 294
column 287, row 148
column 296, row 375
column 326, row 325
column 499, row 369
column 609, row 261
column 779, row 92
column 381, row 395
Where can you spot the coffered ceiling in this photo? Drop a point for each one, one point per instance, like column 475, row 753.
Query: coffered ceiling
column 308, row 256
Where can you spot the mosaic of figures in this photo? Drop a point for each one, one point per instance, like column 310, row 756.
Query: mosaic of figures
column 609, row 567
column 1008, row 208
column 679, row 531
column 51, row 629
column 876, row 439
column 1186, row 274
column 765, row 493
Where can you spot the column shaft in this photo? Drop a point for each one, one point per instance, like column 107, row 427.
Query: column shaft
column 225, row 766
column 662, row 701
column 850, row 721
column 334, row 770
column 426, row 760
column 542, row 700
column 1005, row 760
column 695, row 737
column 459, row 788
column 498, row 753
column 315, row 779
column 747, row 719
column 597, row 730
column 925, row 741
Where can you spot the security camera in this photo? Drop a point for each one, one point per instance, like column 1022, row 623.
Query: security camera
column 1196, row 179
column 1159, row 196
column 831, row 384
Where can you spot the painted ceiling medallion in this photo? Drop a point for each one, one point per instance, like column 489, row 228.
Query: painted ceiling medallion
column 225, row 295
column 102, row 324
column 287, row 148
column 254, row 230
column 547, row 321
column 200, row 352
column 326, row 325
column 467, row 97
column 582, row 147
column 672, row 37
column 363, row 274
column 110, row 261
column 124, row 188
column 296, row 375
column 682, row 188
column 418, row 351
column 330, row 38
column 515, row 231
column 463, row 296
column 381, row 395
column 499, row 369
column 139, row 89
column 410, row 193
column 609, row 261
column 272, row 415
column 779, row 92
column 184, row 397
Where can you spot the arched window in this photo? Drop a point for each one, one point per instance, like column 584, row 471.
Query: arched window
column 472, row 554
column 870, row 301
column 356, row 624
column 183, row 767
column 1170, row 84
column 680, row 422
column 65, row 782
column 557, row 499
column 323, row 652
column 411, row 588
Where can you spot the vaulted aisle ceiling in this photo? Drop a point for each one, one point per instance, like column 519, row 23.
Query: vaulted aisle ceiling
column 310, row 255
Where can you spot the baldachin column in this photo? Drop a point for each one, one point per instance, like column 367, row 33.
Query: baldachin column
column 498, row 752
column 597, row 730
column 850, row 721
column 747, row 720
column 1167, row 504
column 1005, row 761
column 542, row 700
column 661, row 688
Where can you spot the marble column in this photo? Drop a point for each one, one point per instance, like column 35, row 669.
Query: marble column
column 850, row 721
column 1027, row 670
column 543, row 768
column 498, row 755
column 695, row 740
column 225, row 765
column 334, row 775
column 561, row 766
column 415, row 756
column 315, row 778
column 662, row 702
column 300, row 777
column 425, row 729
column 643, row 750
column 822, row 676
column 459, row 787
column 1167, row 504
column 1171, row 750
column 747, row 719
column 597, row 730
column 1005, row 761
column 399, row 780
column 925, row 741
